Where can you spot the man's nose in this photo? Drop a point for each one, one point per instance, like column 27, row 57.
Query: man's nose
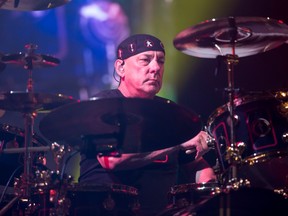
column 155, row 65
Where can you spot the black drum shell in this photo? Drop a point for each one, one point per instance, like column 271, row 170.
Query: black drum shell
column 239, row 202
column 104, row 200
column 260, row 126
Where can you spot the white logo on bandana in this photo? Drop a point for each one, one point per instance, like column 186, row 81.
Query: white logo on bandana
column 132, row 47
column 149, row 43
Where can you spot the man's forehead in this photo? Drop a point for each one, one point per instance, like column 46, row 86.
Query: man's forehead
column 151, row 53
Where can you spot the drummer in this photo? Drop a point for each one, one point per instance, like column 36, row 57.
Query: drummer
column 140, row 67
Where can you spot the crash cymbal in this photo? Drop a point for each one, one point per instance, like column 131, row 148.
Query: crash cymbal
column 30, row 61
column 217, row 37
column 28, row 102
column 135, row 125
column 31, row 5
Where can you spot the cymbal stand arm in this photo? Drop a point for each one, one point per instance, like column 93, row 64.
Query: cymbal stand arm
column 231, row 60
column 29, row 122
column 232, row 150
column 29, row 87
column 29, row 64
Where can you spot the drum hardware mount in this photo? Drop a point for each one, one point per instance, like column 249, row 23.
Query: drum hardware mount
column 46, row 185
column 283, row 192
column 237, row 183
column 282, row 108
column 27, row 186
column 58, row 153
column 46, row 182
column 61, row 203
column 29, row 122
column 233, row 153
column 285, row 137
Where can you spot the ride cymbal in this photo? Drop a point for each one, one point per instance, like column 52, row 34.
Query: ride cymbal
column 31, row 5
column 218, row 37
column 30, row 102
column 133, row 124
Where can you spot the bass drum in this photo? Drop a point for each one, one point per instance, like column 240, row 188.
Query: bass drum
column 107, row 200
column 12, row 137
column 261, row 134
column 240, row 202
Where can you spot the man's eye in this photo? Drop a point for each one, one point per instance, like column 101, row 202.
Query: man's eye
column 145, row 61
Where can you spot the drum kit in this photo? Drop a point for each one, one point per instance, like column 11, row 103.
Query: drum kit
column 18, row 142
column 250, row 132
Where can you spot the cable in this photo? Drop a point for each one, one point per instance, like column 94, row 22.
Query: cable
column 66, row 162
column 8, row 182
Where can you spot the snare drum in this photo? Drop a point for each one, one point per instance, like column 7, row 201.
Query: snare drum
column 107, row 200
column 191, row 194
column 261, row 129
column 13, row 137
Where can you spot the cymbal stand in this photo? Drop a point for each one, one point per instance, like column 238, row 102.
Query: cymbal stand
column 29, row 117
column 233, row 155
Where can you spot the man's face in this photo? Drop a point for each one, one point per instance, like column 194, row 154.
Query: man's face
column 144, row 73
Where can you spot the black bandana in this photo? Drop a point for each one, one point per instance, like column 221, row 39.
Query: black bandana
column 138, row 43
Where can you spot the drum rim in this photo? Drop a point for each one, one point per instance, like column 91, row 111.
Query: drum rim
column 184, row 188
column 241, row 100
column 117, row 188
column 13, row 130
column 263, row 157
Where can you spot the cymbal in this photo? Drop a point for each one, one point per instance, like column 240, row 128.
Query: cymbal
column 137, row 125
column 29, row 102
column 31, row 5
column 217, row 37
column 2, row 65
column 36, row 60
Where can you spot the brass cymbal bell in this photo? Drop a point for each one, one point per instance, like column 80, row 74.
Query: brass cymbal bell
column 217, row 37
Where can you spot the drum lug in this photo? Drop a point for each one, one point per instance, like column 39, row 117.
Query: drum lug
column 285, row 137
column 109, row 203
column 238, row 183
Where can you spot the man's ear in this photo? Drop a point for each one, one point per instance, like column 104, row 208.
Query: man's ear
column 119, row 67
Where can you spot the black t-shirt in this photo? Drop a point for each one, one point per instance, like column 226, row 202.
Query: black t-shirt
column 153, row 181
